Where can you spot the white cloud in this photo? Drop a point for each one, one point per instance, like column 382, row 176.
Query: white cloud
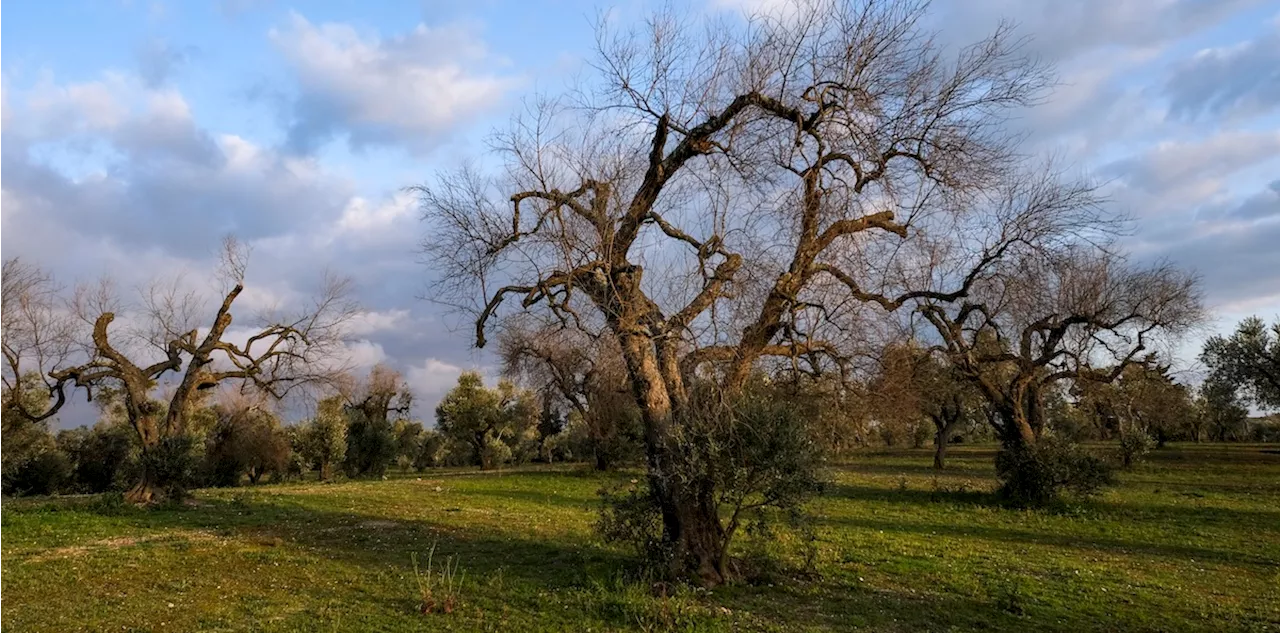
column 373, row 321
column 364, row 354
column 360, row 216
column 434, row 378
column 57, row 110
column 411, row 89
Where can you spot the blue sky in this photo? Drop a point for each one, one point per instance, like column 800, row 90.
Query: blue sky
column 136, row 134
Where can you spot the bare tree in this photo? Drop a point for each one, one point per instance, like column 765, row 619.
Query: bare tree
column 915, row 384
column 1078, row 314
column 37, row 335
column 165, row 337
column 583, row 371
column 726, row 194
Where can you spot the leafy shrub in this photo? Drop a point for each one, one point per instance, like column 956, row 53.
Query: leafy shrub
column 44, row 473
column 494, row 452
column 100, row 456
column 631, row 517
column 1038, row 474
column 174, row 463
column 755, row 459
column 1134, row 445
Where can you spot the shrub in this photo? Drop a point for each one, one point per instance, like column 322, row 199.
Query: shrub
column 174, row 463
column 44, row 473
column 1038, row 474
column 100, row 456
column 1134, row 445
column 755, row 459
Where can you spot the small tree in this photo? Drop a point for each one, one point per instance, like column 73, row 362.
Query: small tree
column 409, row 442
column 482, row 418
column 1221, row 410
column 1249, row 358
column 325, row 437
column 247, row 440
column 371, row 407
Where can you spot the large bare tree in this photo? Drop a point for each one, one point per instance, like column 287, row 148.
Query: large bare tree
column 720, row 193
column 165, row 337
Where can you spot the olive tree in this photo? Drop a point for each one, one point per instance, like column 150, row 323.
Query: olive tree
column 1078, row 313
column 163, row 337
column 372, row 405
column 717, row 194
column 1250, row 358
column 486, row 420
column 580, row 371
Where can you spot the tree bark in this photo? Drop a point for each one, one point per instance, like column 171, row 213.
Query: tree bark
column 691, row 522
column 145, row 492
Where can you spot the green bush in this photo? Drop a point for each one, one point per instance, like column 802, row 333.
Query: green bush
column 1134, row 445
column 1038, row 474
column 174, row 463
column 755, row 458
column 45, row 473
column 101, row 455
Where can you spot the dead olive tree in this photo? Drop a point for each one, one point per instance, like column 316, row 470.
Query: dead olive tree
column 719, row 193
column 163, row 336
column 584, row 372
column 36, row 334
column 1080, row 313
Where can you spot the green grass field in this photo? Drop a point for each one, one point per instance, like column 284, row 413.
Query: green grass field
column 1190, row 541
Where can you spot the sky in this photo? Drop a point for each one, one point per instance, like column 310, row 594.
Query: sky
column 136, row 134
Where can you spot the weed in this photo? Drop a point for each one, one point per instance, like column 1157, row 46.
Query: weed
column 439, row 589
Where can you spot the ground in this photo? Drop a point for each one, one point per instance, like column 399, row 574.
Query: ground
column 1189, row 541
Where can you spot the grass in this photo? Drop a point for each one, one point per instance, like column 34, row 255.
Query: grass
column 1189, row 541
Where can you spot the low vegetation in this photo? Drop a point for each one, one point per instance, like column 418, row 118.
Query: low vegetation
column 1187, row 541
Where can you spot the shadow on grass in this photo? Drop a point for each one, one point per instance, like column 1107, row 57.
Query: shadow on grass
column 1052, row 539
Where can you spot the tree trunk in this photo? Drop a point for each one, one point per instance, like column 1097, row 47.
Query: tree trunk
column 690, row 519
column 602, row 460
column 149, row 489
column 145, row 492
column 940, row 449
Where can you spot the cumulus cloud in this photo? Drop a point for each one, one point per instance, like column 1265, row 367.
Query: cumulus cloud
column 53, row 109
column 371, row 321
column 1237, row 80
column 433, row 378
column 411, row 89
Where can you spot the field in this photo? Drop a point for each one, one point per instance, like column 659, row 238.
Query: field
column 1190, row 541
